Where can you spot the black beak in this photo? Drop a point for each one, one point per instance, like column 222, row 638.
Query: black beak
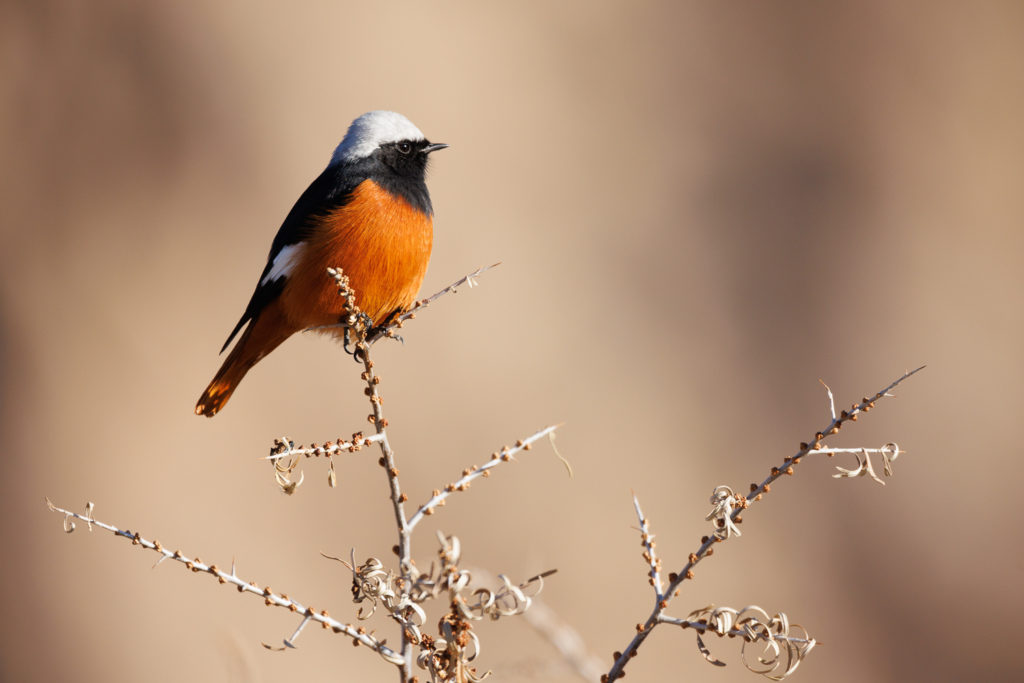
column 433, row 147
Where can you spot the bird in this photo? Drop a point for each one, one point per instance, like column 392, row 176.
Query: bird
column 368, row 213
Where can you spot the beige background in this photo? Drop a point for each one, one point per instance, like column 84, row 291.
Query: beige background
column 701, row 208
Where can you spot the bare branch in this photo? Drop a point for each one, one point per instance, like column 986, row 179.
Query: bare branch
column 728, row 507
column 647, row 538
column 285, row 448
column 270, row 598
column 388, row 330
column 453, row 288
column 506, row 454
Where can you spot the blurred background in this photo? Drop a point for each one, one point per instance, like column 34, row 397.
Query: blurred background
column 701, row 209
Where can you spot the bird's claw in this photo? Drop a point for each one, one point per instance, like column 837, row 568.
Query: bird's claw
column 361, row 330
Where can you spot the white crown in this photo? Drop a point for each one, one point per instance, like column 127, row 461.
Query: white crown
column 370, row 131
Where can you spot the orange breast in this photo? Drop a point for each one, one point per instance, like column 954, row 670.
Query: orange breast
column 379, row 240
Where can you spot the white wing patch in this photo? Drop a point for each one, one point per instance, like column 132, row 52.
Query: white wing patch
column 284, row 263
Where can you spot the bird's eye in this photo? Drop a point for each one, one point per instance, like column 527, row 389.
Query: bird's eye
column 404, row 147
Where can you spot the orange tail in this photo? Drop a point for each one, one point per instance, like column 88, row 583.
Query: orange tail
column 262, row 336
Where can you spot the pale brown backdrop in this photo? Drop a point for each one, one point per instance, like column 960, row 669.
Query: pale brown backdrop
column 702, row 208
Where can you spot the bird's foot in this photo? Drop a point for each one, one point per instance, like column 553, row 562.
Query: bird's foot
column 386, row 328
column 347, row 342
column 362, row 330
column 364, row 322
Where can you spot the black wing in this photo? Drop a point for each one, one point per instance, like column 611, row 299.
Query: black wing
column 330, row 190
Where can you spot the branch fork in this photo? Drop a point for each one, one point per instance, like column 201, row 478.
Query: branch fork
column 783, row 652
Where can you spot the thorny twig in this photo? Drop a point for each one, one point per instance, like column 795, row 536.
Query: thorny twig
column 453, row 288
column 270, row 598
column 388, row 329
column 647, row 538
column 408, row 573
column 449, row 655
column 363, row 339
column 283, row 448
column 506, row 454
column 406, row 524
column 729, row 506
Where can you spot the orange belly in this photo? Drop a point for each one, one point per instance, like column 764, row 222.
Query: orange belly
column 379, row 240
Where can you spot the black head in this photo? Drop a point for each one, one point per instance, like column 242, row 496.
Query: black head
column 407, row 158
column 386, row 147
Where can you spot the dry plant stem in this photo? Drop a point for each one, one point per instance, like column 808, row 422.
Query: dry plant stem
column 468, row 280
column 506, row 454
column 388, row 330
column 756, row 493
column 701, row 627
column 380, row 424
column 269, row 597
column 647, row 538
column 404, row 547
column 327, row 450
column 405, row 527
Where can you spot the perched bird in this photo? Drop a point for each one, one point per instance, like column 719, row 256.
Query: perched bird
column 368, row 213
